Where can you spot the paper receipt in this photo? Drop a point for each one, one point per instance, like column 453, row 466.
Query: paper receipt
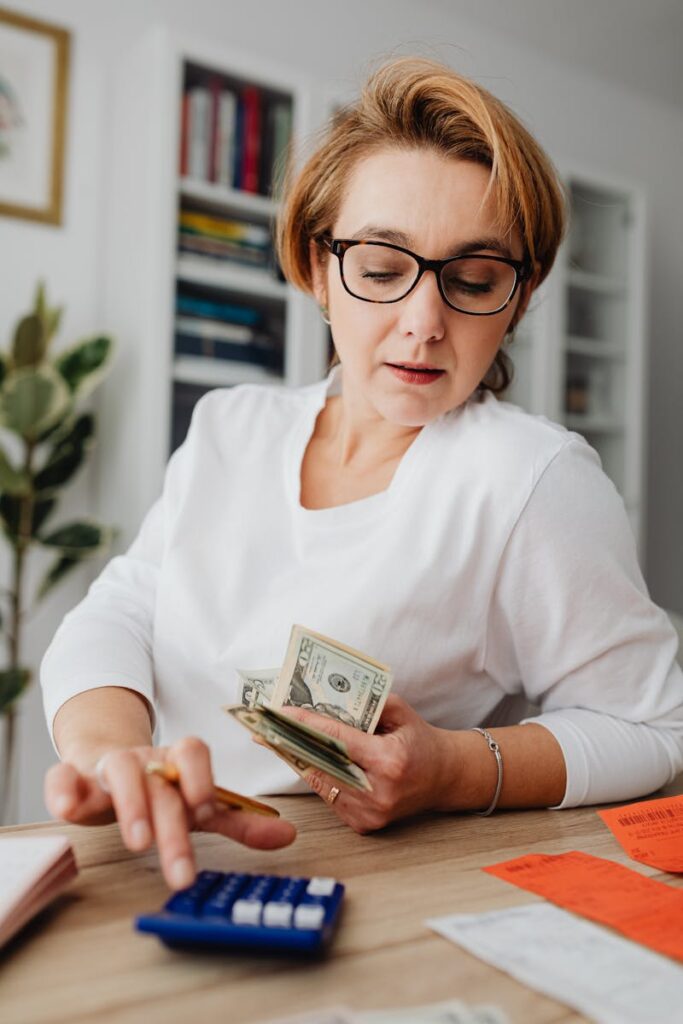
column 650, row 831
column 642, row 909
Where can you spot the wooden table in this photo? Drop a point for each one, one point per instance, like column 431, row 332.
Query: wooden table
column 81, row 960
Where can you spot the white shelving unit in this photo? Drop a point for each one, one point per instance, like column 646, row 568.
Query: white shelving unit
column 580, row 351
column 145, row 193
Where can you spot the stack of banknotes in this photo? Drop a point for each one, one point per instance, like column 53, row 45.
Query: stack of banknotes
column 321, row 675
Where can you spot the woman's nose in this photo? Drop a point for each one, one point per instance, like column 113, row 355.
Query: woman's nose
column 423, row 312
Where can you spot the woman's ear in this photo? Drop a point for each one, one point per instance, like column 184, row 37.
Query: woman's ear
column 317, row 274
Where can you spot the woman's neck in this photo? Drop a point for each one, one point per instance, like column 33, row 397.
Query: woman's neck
column 357, row 438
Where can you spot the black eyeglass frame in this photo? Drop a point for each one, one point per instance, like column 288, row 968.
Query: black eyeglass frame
column 339, row 246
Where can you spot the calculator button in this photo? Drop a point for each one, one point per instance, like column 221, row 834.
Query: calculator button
column 321, row 886
column 247, row 911
column 309, row 916
column 278, row 915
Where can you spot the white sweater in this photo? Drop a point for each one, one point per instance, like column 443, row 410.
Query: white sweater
column 498, row 568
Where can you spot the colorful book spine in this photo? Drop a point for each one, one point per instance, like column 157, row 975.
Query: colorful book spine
column 252, row 138
column 219, row 310
column 199, row 132
column 226, row 137
column 210, row 348
column 238, row 143
column 184, row 133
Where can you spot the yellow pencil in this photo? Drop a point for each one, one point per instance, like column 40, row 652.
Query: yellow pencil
column 235, row 801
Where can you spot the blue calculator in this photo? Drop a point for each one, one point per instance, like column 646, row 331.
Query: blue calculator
column 227, row 910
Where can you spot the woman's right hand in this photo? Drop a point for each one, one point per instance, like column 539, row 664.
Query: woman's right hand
column 149, row 808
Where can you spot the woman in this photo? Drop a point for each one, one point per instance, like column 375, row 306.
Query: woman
column 398, row 506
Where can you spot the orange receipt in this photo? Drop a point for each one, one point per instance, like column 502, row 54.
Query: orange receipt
column 650, row 831
column 642, row 909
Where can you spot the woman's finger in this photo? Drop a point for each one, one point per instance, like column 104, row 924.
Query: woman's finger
column 171, row 831
column 252, row 829
column 358, row 744
column 75, row 797
column 192, row 758
column 121, row 772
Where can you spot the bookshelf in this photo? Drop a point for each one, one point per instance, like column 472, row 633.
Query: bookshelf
column 580, row 352
column 193, row 292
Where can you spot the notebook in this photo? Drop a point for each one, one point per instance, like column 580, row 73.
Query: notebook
column 33, row 870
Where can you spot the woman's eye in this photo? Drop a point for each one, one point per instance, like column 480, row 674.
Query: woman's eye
column 470, row 287
column 380, row 275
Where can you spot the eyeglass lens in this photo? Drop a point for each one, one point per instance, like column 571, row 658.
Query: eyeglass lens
column 471, row 283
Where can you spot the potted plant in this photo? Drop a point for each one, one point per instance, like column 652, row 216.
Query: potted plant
column 44, row 440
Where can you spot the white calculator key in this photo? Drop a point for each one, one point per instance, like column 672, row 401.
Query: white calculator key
column 277, row 915
column 321, row 886
column 309, row 915
column 247, row 911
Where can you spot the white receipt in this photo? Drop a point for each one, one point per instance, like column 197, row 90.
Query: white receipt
column 610, row 979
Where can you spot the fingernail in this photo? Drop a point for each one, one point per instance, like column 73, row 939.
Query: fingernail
column 204, row 812
column 140, row 834
column 63, row 805
column 182, row 873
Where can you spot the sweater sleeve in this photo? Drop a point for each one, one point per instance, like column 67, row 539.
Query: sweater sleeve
column 572, row 627
column 106, row 639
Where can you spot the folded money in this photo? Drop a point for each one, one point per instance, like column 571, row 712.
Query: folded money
column 321, row 675
column 325, row 676
column 300, row 745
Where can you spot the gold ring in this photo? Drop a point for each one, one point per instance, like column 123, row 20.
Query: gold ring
column 332, row 795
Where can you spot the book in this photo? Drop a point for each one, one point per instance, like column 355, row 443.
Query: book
column 252, row 138
column 184, row 134
column 201, row 327
column 199, row 133
column 225, row 144
column 34, row 869
column 238, row 143
column 216, row 348
column 219, row 310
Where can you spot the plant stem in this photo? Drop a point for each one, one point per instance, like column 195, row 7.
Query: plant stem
column 21, row 545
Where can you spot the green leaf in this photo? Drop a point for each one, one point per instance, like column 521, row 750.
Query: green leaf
column 67, row 455
column 4, row 367
column 10, row 511
column 61, row 568
column 53, row 318
column 30, row 342
column 84, row 365
column 33, row 399
column 13, row 682
column 13, row 481
column 78, row 539
column 40, row 304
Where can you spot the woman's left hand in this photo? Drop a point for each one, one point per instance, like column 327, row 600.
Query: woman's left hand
column 405, row 761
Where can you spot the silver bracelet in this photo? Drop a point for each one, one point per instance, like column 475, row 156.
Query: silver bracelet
column 495, row 749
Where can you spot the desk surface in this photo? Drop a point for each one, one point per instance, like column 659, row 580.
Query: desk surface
column 81, row 960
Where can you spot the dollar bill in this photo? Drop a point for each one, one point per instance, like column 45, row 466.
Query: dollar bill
column 326, row 676
column 299, row 745
column 258, row 685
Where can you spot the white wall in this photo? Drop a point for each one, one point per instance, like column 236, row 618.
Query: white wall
column 580, row 120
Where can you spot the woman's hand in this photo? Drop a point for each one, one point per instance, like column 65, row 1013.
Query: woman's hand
column 147, row 807
column 407, row 763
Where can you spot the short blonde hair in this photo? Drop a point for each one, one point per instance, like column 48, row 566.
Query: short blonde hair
column 412, row 103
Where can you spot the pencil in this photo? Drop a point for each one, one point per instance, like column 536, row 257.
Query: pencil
column 235, row 801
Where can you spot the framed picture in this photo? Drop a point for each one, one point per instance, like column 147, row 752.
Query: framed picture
column 34, row 71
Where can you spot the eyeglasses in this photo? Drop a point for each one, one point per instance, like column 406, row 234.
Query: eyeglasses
column 382, row 272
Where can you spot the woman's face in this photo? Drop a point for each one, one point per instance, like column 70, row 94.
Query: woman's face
column 431, row 205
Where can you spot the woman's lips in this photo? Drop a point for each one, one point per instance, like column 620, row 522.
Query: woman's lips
column 412, row 375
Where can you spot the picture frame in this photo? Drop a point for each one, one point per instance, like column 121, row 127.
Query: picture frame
column 34, row 78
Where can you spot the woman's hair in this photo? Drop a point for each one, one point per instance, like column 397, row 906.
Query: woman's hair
column 413, row 103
